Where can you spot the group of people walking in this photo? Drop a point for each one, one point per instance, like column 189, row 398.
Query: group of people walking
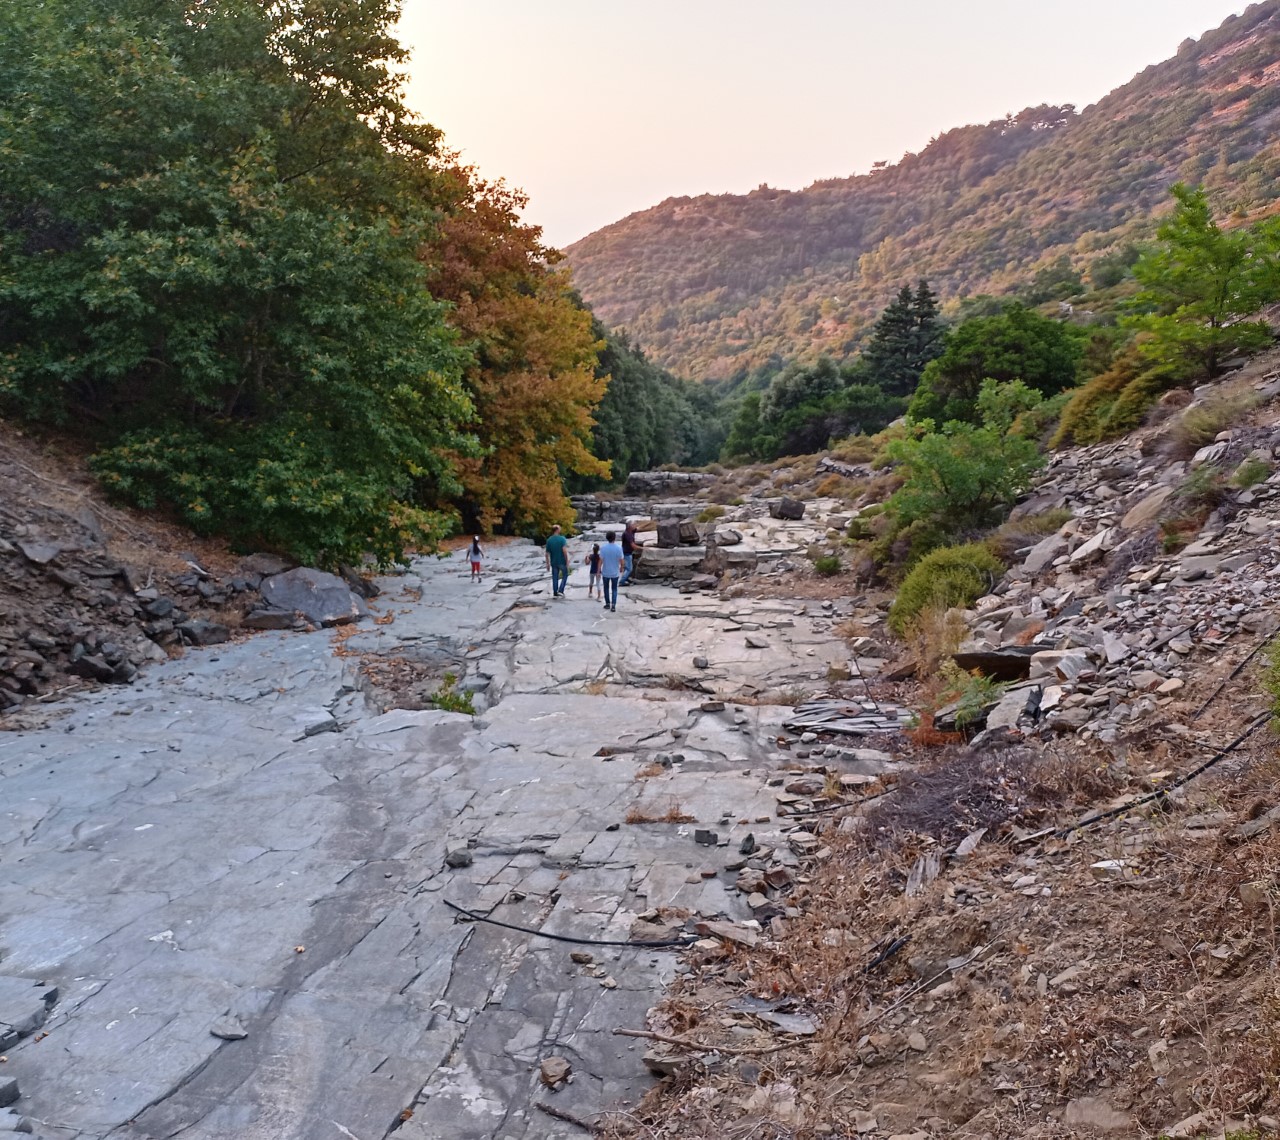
column 609, row 565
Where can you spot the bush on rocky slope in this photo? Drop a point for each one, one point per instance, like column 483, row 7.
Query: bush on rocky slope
column 950, row 576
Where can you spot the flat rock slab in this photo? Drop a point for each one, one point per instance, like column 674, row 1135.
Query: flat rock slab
column 240, row 842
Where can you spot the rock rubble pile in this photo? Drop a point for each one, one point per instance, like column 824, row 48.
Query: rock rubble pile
column 1104, row 621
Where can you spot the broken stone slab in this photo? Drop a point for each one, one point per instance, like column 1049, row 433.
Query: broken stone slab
column 8, row 1091
column 323, row 599
column 1007, row 663
column 41, row 553
column 1191, row 569
column 201, row 632
column 229, row 1029
column 1043, row 554
column 786, row 508
column 1148, row 509
column 1114, row 649
column 24, row 1006
column 1060, row 664
column 14, row 1124
column 728, row 932
column 668, row 536
column 670, row 562
column 269, row 619
column 1094, row 1112
column 1013, row 706
column 1098, row 545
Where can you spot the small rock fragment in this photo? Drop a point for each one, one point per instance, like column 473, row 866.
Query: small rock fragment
column 555, row 1071
column 229, row 1029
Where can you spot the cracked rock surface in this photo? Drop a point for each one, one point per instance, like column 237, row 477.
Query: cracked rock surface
column 234, row 871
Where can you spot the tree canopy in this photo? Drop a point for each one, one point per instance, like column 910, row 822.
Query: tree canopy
column 1016, row 344
column 232, row 258
column 1200, row 281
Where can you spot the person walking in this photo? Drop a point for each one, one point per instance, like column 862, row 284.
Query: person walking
column 558, row 561
column 630, row 552
column 592, row 563
column 610, row 568
column 476, row 555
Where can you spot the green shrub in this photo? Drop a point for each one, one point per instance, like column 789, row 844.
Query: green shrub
column 949, row 576
column 1252, row 471
column 961, row 477
column 973, row 692
column 448, row 698
column 828, row 565
column 710, row 514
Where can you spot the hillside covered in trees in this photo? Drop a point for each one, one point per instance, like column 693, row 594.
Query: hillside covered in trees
column 719, row 285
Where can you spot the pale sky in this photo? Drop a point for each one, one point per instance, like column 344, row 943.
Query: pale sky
column 598, row 108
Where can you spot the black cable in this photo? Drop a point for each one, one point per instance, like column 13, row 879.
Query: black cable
column 1254, row 725
column 887, row 953
column 685, row 940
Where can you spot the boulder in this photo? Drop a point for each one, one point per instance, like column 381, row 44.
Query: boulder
column 786, row 508
column 668, row 534
column 199, row 632
column 728, row 537
column 689, row 535
column 323, row 599
column 671, row 562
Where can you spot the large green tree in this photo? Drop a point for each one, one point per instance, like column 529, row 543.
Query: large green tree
column 1201, row 281
column 1016, row 344
column 210, row 216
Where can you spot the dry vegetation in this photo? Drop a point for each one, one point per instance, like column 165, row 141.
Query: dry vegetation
column 979, row 995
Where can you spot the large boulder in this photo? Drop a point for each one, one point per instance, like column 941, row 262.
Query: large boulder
column 668, row 533
column 786, row 508
column 323, row 599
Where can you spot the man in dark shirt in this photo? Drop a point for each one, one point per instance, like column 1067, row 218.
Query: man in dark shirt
column 630, row 551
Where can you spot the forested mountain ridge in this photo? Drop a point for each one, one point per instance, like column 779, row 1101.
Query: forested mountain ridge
column 713, row 284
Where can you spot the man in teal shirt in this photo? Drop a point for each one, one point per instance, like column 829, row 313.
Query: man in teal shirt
column 558, row 561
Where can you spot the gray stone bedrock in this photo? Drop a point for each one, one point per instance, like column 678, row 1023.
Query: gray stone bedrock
column 239, row 842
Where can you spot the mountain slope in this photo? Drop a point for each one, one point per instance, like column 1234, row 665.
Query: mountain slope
column 714, row 283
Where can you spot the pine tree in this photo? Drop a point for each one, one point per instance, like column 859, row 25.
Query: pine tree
column 906, row 337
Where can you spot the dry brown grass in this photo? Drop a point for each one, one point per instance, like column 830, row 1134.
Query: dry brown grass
column 666, row 809
column 933, row 636
column 649, row 771
column 1197, row 426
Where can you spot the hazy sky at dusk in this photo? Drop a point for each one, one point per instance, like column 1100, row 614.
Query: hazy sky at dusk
column 598, row 108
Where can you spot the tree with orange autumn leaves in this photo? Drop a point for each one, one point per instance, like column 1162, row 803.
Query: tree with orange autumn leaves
column 533, row 377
